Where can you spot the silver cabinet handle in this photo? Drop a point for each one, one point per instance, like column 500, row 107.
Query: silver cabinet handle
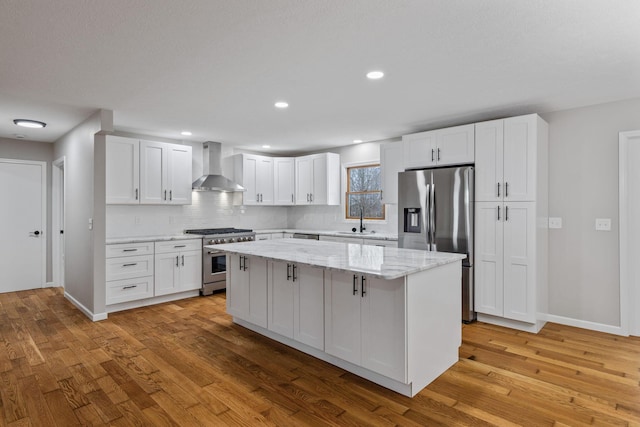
column 506, row 189
column 506, row 213
column 438, row 154
column 129, row 250
column 165, row 194
column 130, row 265
column 136, row 194
column 183, row 260
column 364, row 287
column 129, row 287
column 179, row 246
column 433, row 152
column 355, row 284
column 291, row 197
column 288, row 271
column 294, row 277
column 498, row 189
column 311, row 197
column 170, row 194
column 498, row 213
column 260, row 197
column 177, row 261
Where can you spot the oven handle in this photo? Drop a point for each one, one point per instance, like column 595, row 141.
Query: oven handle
column 215, row 252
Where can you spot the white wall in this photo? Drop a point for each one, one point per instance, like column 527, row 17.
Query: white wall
column 21, row 149
column 584, row 281
column 83, row 181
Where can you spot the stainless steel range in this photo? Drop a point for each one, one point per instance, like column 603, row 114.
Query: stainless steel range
column 214, row 263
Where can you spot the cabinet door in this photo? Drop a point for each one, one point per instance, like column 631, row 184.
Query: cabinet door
column 190, row 270
column 264, row 180
column 489, row 258
column 520, row 142
column 153, row 172
column 122, row 170
column 167, row 270
column 304, row 180
column 455, row 145
column 383, row 317
column 309, row 306
column 342, row 317
column 283, row 177
column 237, row 288
column 179, row 174
column 256, row 269
column 319, row 180
column 390, row 164
column 489, row 165
column 281, row 296
column 519, row 261
column 249, row 178
column 419, row 150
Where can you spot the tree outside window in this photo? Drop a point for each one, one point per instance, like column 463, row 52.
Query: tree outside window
column 364, row 193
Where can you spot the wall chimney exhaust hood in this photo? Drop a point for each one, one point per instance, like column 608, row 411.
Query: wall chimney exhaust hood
column 212, row 180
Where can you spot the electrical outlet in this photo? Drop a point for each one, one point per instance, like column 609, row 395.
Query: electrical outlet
column 555, row 222
column 603, row 224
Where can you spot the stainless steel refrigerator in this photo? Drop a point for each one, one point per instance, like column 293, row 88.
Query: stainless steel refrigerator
column 435, row 209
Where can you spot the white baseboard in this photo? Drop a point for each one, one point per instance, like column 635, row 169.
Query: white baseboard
column 85, row 310
column 50, row 285
column 584, row 324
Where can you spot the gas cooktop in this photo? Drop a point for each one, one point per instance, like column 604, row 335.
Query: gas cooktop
column 214, row 231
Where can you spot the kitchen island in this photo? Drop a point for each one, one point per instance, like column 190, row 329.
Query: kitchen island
column 389, row 315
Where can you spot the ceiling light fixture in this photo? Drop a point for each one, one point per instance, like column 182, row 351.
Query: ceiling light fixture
column 186, row 133
column 375, row 75
column 29, row 123
column 281, row 104
column 357, row 141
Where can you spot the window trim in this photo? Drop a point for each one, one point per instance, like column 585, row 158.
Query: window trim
column 345, row 188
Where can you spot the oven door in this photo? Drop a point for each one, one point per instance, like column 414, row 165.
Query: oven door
column 214, row 270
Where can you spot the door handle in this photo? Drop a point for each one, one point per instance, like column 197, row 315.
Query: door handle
column 183, row 260
column 506, row 213
column 130, row 264
column 506, row 189
column 355, row 284
column 136, row 194
column 498, row 189
column 438, row 154
column 498, row 213
column 170, row 194
column 364, row 287
column 294, row 277
column 288, row 271
column 433, row 152
column 165, row 194
column 177, row 261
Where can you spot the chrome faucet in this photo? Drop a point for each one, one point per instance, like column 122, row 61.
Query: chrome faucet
column 362, row 227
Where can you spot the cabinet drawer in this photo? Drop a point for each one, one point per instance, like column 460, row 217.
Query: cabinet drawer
column 129, row 267
column 129, row 290
column 178, row 246
column 128, row 249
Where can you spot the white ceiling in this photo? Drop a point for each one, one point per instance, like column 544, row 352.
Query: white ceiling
column 216, row 67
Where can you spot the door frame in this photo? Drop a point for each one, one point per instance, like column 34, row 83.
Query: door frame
column 629, row 293
column 43, row 213
column 58, row 206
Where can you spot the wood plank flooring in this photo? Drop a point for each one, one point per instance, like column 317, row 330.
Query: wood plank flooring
column 186, row 364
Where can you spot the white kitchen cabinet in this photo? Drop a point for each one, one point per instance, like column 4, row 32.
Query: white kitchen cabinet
column 178, row 266
column 296, row 303
column 147, row 172
column 284, row 181
column 247, row 288
column 255, row 173
column 318, row 179
column 122, row 170
column 511, row 221
column 449, row 146
column 508, row 162
column 165, row 173
column 364, row 322
column 129, row 272
column 391, row 163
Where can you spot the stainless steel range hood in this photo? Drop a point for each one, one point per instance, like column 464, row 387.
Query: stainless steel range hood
column 212, row 180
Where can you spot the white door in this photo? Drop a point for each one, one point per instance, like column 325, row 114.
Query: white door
column 179, row 174
column 283, row 181
column 249, row 177
column 489, row 154
column 190, row 270
column 319, row 184
column 342, row 316
column 257, row 272
column 520, row 145
column 22, row 222
column 265, row 180
column 166, row 269
column 281, row 299
column 304, row 180
column 122, row 170
column 489, row 258
column 153, row 172
column 308, row 307
column 455, row 145
column 419, row 150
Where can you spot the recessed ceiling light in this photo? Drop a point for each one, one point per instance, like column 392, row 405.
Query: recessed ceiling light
column 266, row 146
column 186, row 133
column 374, row 75
column 281, row 104
column 29, row 123
column 357, row 141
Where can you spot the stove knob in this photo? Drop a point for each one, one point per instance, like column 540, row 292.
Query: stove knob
column 212, row 242
column 231, row 240
column 240, row 239
column 250, row 238
column 243, row 239
column 215, row 242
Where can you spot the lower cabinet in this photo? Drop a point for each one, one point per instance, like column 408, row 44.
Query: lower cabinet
column 364, row 322
column 296, row 302
column 178, row 266
column 129, row 272
column 247, row 288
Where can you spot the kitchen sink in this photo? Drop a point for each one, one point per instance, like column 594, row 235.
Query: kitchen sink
column 355, row 233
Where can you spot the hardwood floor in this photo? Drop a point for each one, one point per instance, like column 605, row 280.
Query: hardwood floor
column 185, row 363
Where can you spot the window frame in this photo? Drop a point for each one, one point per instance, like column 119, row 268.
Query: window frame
column 347, row 184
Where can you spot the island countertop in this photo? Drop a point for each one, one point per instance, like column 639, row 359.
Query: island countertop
column 382, row 262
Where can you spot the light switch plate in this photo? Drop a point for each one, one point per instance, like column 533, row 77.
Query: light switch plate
column 603, row 224
column 555, row 222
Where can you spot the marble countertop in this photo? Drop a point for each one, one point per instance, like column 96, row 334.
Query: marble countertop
column 367, row 235
column 140, row 239
column 382, row 262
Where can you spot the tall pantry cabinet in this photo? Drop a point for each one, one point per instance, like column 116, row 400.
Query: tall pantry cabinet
column 511, row 221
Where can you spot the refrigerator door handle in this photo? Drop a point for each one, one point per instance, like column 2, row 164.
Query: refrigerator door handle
column 433, row 217
column 427, row 221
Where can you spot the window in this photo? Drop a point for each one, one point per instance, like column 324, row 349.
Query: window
column 364, row 193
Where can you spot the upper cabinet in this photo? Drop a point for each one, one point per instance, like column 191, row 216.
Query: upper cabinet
column 147, row 172
column 255, row 173
column 450, row 146
column 391, row 162
column 284, row 180
column 318, row 179
column 508, row 167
